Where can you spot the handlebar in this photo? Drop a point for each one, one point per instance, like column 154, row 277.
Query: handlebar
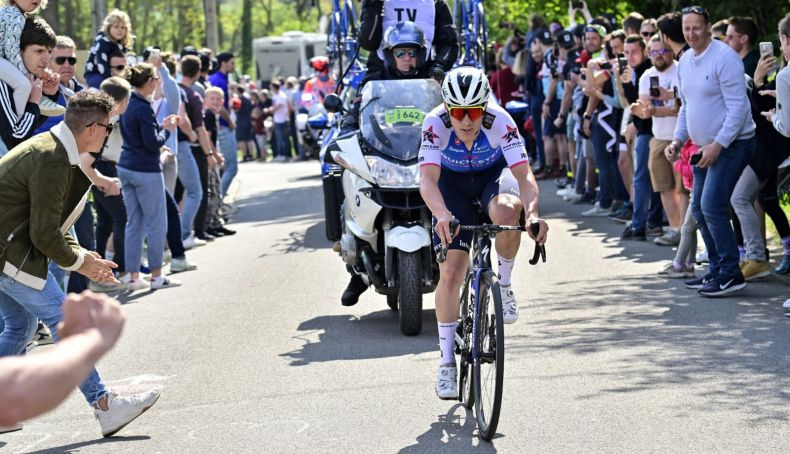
column 491, row 230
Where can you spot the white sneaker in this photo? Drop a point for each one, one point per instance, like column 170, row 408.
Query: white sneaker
column 597, row 211
column 123, row 410
column 50, row 108
column 702, row 257
column 161, row 282
column 573, row 197
column 107, row 287
column 180, row 265
column 509, row 305
column 447, row 382
column 786, row 307
column 138, row 284
column 193, row 242
column 6, row 429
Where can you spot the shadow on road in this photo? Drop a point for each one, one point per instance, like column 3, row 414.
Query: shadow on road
column 454, row 432
column 106, row 443
column 666, row 337
column 376, row 335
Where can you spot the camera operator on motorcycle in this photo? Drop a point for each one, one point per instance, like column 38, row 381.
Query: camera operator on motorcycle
column 404, row 47
column 319, row 85
column 471, row 149
column 433, row 17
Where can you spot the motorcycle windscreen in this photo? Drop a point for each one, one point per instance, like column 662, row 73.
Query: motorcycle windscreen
column 391, row 114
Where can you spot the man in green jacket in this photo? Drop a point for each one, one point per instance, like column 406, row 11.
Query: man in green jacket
column 42, row 193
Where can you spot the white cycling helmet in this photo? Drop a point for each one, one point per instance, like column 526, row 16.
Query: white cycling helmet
column 465, row 86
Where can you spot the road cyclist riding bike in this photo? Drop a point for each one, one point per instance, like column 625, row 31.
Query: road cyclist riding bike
column 471, row 150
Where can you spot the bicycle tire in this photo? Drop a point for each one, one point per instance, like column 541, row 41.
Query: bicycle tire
column 465, row 387
column 481, row 33
column 489, row 329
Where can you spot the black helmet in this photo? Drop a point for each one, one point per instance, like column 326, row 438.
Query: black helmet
column 404, row 34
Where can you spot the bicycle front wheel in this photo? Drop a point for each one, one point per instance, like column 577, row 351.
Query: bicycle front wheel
column 488, row 363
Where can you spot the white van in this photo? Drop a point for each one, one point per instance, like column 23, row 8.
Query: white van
column 287, row 55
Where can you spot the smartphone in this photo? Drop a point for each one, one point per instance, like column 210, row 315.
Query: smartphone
column 695, row 159
column 622, row 62
column 654, row 91
column 766, row 48
column 675, row 91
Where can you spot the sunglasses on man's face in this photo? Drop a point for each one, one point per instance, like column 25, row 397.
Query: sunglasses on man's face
column 459, row 113
column 696, row 10
column 118, row 67
column 403, row 53
column 647, row 34
column 657, row 52
column 108, row 128
column 60, row 60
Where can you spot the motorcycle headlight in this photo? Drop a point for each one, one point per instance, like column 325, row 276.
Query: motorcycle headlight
column 391, row 175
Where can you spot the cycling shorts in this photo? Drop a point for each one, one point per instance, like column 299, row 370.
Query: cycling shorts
column 460, row 191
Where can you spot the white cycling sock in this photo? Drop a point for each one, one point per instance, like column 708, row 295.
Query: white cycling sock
column 447, row 342
column 505, row 269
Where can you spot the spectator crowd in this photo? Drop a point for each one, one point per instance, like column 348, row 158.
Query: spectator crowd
column 668, row 125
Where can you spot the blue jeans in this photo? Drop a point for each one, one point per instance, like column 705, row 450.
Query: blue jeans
column 189, row 176
column 281, row 145
column 110, row 219
column 3, row 149
column 229, row 149
column 144, row 195
column 536, row 111
column 174, row 235
column 711, row 201
column 21, row 307
column 643, row 188
column 606, row 162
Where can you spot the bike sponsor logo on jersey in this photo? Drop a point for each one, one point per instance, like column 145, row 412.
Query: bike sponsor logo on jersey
column 488, row 120
column 510, row 135
column 445, row 119
column 429, row 136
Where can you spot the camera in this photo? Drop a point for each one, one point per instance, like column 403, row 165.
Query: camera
column 606, row 66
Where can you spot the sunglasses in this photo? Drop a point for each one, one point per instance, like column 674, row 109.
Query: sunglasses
column 60, row 60
column 459, row 113
column 696, row 10
column 109, row 128
column 403, row 53
column 119, row 67
column 648, row 34
column 657, row 52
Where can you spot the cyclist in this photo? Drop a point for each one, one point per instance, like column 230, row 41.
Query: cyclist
column 319, row 85
column 404, row 47
column 433, row 17
column 471, row 149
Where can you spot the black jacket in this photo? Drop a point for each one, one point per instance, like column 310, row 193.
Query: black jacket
column 445, row 38
column 631, row 92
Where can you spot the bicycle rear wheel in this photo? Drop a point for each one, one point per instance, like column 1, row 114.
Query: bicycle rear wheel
column 488, row 366
column 465, row 387
column 481, row 33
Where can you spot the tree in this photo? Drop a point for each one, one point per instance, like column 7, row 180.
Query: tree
column 246, row 36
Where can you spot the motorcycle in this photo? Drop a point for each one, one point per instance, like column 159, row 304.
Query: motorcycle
column 385, row 225
column 312, row 123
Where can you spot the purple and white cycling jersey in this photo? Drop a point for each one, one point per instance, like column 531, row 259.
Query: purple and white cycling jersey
column 498, row 137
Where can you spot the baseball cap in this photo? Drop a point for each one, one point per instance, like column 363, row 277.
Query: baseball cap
column 544, row 35
column 595, row 28
column 189, row 50
column 584, row 57
column 565, row 39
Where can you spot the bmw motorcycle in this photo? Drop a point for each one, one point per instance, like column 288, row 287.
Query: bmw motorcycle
column 385, row 228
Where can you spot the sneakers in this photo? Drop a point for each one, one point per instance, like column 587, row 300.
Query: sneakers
column 702, row 257
column 138, row 284
column 753, row 269
column 192, row 242
column 784, row 266
column 50, row 108
column 573, row 197
column 179, row 265
column 699, row 282
column 447, row 382
column 785, row 307
column 654, row 231
column 670, row 237
column 162, row 282
column 597, row 211
column 6, row 429
column 630, row 234
column 42, row 336
column 676, row 273
column 356, row 286
column 721, row 285
column 106, row 287
column 224, row 231
column 588, row 197
column 623, row 215
column 509, row 305
column 123, row 410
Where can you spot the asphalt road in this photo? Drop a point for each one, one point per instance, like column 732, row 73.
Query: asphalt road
column 255, row 354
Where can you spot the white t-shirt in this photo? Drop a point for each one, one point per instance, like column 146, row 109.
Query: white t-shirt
column 280, row 99
column 663, row 127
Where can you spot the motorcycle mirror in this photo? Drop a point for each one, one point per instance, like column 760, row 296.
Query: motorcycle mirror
column 333, row 103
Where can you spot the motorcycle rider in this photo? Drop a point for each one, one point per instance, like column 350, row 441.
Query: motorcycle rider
column 318, row 86
column 433, row 17
column 404, row 48
column 452, row 178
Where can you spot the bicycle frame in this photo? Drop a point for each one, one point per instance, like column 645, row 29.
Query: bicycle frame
column 469, row 18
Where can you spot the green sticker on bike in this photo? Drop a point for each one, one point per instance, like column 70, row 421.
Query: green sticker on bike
column 404, row 115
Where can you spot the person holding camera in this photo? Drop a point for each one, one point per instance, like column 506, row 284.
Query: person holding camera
column 553, row 76
column 715, row 114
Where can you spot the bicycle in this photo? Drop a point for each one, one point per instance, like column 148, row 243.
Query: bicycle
column 480, row 336
column 470, row 21
column 342, row 34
